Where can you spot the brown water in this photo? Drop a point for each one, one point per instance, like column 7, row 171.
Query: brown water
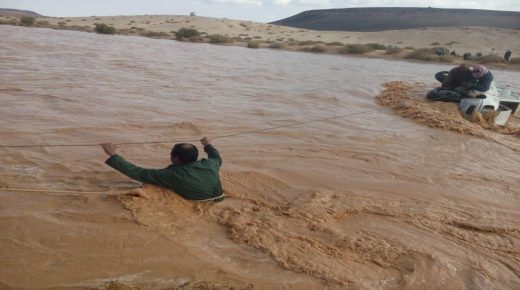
column 372, row 201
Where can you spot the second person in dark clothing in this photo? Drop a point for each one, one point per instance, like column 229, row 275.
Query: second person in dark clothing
column 481, row 79
column 507, row 55
column 457, row 77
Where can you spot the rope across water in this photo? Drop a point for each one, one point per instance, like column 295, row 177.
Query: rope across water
column 194, row 140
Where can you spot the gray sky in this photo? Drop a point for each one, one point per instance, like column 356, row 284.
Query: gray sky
column 255, row 10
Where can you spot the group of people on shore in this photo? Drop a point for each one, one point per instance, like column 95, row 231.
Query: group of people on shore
column 507, row 55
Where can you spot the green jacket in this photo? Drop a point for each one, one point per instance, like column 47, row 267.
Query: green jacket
column 195, row 181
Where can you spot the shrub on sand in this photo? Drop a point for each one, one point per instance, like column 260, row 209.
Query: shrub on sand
column 393, row 50
column 104, row 29
column 376, row 46
column 78, row 28
column 217, row 38
column 253, row 44
column 27, row 21
column 277, row 45
column 186, row 33
column 356, row 49
column 43, row 23
column 316, row 48
column 432, row 54
column 9, row 21
column 155, row 34
column 307, row 42
column 427, row 54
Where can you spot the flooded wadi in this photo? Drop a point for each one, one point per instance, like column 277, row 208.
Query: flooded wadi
column 370, row 200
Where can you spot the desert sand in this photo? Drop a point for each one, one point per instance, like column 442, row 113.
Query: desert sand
column 460, row 40
column 392, row 193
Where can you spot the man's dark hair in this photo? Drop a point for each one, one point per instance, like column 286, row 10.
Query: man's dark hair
column 187, row 153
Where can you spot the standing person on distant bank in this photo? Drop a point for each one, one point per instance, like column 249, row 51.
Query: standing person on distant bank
column 507, row 55
column 190, row 178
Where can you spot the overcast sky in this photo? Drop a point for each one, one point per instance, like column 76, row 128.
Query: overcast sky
column 255, row 10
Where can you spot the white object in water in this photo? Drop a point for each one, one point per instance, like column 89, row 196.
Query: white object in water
column 498, row 99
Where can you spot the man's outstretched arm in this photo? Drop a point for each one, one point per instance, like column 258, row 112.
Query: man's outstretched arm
column 150, row 176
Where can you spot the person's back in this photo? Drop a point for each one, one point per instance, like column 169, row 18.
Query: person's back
column 191, row 179
column 457, row 77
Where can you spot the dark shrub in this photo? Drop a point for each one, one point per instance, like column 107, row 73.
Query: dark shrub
column 27, row 20
column 277, row 45
column 316, row 48
column 376, row 46
column 43, row 23
column 356, row 49
column 217, row 38
column 307, row 42
column 104, row 29
column 439, row 50
column 427, row 54
column 186, row 33
column 155, row 34
column 253, row 44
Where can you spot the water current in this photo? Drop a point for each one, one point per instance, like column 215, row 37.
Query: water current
column 371, row 201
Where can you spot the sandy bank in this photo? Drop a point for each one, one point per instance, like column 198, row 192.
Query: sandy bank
column 244, row 33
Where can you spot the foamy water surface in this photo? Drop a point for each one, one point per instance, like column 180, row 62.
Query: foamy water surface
column 372, row 201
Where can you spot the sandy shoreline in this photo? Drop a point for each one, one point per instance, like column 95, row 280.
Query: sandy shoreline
column 400, row 43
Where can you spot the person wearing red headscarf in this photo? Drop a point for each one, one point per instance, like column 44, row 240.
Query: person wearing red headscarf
column 481, row 78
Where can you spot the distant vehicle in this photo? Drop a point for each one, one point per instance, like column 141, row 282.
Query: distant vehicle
column 498, row 99
column 193, row 14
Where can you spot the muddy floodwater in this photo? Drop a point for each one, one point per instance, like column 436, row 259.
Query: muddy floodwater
column 368, row 201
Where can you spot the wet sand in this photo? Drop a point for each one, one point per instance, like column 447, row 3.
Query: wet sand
column 374, row 201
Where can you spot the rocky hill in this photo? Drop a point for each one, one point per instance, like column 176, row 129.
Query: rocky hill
column 16, row 12
column 397, row 18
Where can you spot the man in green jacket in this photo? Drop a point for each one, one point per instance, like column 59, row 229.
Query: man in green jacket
column 191, row 178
